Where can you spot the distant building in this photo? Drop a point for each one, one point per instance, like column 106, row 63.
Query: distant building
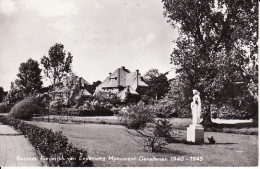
column 123, row 82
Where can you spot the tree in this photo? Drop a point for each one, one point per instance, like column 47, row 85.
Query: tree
column 92, row 88
column 57, row 64
column 29, row 77
column 151, row 73
column 179, row 97
column 217, row 49
column 14, row 94
column 158, row 84
column 2, row 94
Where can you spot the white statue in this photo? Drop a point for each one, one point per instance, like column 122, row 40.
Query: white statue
column 196, row 107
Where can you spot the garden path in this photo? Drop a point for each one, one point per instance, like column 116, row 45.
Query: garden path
column 15, row 149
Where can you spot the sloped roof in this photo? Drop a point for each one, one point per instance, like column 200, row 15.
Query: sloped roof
column 84, row 81
column 123, row 93
column 84, row 92
column 123, row 77
column 131, row 80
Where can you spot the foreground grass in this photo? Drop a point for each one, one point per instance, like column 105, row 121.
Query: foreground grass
column 112, row 140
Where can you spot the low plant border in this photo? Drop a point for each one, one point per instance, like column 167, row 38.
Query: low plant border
column 53, row 146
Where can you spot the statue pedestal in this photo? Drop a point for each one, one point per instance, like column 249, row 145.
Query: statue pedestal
column 195, row 133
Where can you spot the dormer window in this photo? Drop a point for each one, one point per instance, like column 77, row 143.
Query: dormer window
column 111, row 78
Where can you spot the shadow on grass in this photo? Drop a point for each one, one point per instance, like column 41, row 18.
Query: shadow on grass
column 235, row 126
column 177, row 140
column 223, row 143
column 18, row 134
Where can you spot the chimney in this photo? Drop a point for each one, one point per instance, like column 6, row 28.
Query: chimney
column 80, row 82
column 123, row 67
column 137, row 73
column 110, row 74
column 118, row 76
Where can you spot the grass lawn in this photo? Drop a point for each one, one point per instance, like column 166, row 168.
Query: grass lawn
column 225, row 126
column 112, row 140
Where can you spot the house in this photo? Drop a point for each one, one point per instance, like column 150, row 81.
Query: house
column 124, row 83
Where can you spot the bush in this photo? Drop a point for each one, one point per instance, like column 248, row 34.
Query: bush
column 81, row 112
column 164, row 109
column 136, row 116
column 51, row 144
column 81, row 99
column 85, row 106
column 4, row 108
column 168, row 107
column 229, row 112
column 25, row 109
column 154, row 136
column 107, row 97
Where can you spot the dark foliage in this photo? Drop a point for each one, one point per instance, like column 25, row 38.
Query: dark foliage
column 29, row 77
column 92, row 88
column 216, row 52
column 79, row 112
column 229, row 112
column 14, row 95
column 211, row 140
column 4, row 108
column 2, row 94
column 158, row 85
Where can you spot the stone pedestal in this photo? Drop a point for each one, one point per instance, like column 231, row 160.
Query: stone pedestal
column 195, row 133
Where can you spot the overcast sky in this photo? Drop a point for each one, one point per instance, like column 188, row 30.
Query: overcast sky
column 102, row 35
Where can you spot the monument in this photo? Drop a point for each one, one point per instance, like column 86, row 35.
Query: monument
column 195, row 131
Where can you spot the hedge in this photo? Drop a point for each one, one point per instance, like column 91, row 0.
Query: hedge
column 77, row 112
column 51, row 145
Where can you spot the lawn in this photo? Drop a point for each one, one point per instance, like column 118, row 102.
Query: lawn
column 222, row 125
column 106, row 141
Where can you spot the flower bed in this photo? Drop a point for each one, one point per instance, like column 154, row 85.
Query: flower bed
column 55, row 148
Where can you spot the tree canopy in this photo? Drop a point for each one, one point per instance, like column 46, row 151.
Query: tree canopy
column 91, row 88
column 29, row 81
column 29, row 77
column 2, row 94
column 57, row 64
column 216, row 51
column 158, row 84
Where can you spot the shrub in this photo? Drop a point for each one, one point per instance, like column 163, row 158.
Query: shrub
column 229, row 112
column 168, row 107
column 86, row 106
column 164, row 108
column 154, row 136
column 107, row 97
column 25, row 109
column 51, row 144
column 81, row 99
column 4, row 108
column 136, row 116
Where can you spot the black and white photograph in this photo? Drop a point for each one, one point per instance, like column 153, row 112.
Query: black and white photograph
column 129, row 83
